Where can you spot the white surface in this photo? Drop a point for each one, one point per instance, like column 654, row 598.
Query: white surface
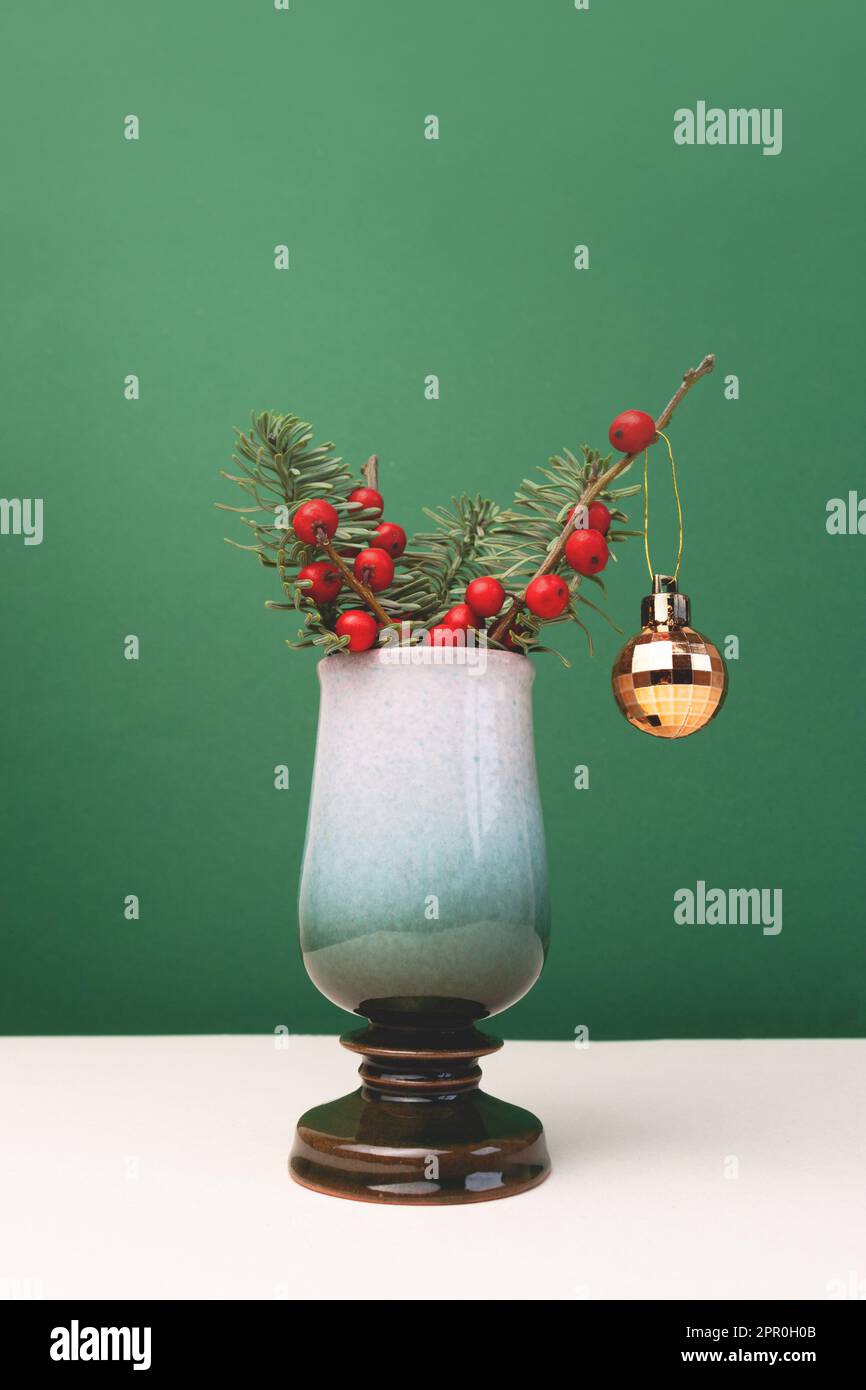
column 156, row 1167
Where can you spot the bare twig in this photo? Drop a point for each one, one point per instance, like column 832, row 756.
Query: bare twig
column 370, row 471
column 554, row 556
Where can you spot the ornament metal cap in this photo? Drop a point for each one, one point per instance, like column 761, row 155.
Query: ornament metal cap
column 665, row 606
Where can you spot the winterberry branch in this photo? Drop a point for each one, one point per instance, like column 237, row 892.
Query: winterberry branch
column 360, row 589
column 504, row 624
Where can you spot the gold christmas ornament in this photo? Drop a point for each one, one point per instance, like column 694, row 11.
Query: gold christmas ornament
column 669, row 680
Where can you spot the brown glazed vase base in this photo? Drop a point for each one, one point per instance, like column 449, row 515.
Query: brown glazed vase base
column 419, row 1132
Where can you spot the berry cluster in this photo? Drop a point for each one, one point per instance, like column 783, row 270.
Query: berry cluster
column 546, row 597
column 315, row 523
column 484, row 598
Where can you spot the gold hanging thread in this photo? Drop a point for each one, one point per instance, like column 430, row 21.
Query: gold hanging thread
column 646, row 506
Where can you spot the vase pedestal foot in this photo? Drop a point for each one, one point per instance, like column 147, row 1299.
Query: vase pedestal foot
column 418, row 1131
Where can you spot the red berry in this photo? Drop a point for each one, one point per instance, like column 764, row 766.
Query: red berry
column 443, row 636
column 375, row 568
column 586, row 551
column 391, row 537
column 599, row 518
column 361, row 629
column 461, row 616
column 326, row 581
column 632, row 431
column 485, row 596
column 369, row 497
column 547, row 596
column 314, row 516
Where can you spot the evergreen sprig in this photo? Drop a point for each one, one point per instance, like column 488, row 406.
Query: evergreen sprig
column 440, row 563
column 281, row 467
column 522, row 537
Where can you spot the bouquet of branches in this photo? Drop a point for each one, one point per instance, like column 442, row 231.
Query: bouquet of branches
column 358, row 580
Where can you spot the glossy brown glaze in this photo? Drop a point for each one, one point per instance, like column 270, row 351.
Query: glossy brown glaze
column 418, row 1131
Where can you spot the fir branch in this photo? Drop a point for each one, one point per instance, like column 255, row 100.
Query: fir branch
column 595, row 487
column 522, row 536
column 280, row 468
column 439, row 564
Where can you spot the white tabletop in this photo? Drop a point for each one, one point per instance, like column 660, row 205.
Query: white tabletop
column 156, row 1168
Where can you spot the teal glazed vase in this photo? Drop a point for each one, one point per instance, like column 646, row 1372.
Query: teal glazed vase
column 423, row 909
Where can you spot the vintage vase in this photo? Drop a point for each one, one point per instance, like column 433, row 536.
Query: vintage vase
column 423, row 909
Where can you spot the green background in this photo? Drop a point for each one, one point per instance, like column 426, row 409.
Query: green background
column 411, row 257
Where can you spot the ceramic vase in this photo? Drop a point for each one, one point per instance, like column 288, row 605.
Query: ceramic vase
column 424, row 910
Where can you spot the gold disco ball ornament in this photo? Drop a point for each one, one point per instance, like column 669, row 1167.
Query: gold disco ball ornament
column 669, row 680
